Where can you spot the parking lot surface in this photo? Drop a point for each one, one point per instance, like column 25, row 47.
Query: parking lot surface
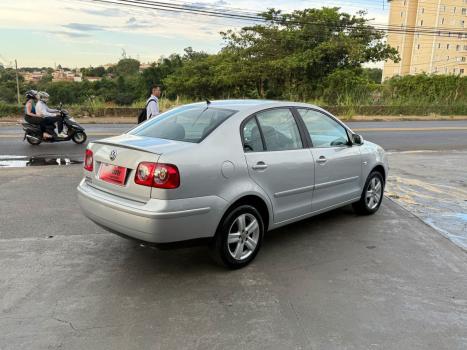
column 337, row 281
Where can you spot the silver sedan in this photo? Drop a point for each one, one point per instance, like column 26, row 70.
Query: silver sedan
column 226, row 172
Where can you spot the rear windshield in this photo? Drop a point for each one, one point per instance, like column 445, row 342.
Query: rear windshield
column 187, row 123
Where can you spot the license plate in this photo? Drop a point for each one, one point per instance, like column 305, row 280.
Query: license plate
column 112, row 173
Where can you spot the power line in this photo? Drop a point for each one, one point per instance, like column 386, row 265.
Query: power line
column 156, row 5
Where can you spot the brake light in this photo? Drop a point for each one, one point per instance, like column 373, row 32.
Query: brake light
column 145, row 173
column 157, row 175
column 88, row 160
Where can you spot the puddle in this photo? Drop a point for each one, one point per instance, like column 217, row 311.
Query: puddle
column 40, row 160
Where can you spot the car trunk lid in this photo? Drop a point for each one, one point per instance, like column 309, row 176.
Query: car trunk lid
column 123, row 154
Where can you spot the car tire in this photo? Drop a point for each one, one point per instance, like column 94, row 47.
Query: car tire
column 234, row 246
column 372, row 195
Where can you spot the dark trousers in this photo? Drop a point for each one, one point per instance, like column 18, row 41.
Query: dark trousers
column 50, row 121
column 47, row 124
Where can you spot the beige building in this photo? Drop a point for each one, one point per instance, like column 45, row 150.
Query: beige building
column 442, row 49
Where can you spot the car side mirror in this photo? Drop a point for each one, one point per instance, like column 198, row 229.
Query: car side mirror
column 357, row 139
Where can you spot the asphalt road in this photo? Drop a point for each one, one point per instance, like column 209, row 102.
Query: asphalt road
column 393, row 136
column 338, row 281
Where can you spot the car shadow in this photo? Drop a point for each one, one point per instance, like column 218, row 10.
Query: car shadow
column 140, row 259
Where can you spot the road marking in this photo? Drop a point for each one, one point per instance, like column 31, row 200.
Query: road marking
column 12, row 136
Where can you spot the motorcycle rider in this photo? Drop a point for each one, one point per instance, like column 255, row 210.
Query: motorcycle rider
column 51, row 116
column 31, row 116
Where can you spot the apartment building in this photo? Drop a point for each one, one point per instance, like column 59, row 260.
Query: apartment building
column 430, row 35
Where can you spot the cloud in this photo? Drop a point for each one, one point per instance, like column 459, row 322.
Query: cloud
column 133, row 23
column 69, row 34
column 106, row 12
column 84, row 27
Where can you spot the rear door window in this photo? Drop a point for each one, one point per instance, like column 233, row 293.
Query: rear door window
column 188, row 123
column 280, row 130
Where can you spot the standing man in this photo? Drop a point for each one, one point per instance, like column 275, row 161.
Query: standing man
column 152, row 104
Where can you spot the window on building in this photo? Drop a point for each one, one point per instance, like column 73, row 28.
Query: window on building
column 421, row 22
column 464, row 11
column 447, row 46
column 439, row 45
column 462, row 23
column 458, row 47
column 402, row 13
column 463, row 59
column 423, row 10
column 461, row 71
column 442, row 20
column 418, row 47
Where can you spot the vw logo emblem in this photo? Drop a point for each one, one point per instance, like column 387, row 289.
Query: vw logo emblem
column 113, row 155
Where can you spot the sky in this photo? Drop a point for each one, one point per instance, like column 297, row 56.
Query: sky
column 82, row 33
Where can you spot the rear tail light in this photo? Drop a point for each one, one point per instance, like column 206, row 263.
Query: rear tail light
column 157, row 175
column 88, row 160
column 145, row 173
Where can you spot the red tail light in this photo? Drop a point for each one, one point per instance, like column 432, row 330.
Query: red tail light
column 157, row 175
column 88, row 160
column 145, row 173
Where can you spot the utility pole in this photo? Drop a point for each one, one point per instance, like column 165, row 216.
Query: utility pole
column 17, row 82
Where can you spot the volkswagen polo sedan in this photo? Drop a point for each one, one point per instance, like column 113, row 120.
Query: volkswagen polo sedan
column 227, row 172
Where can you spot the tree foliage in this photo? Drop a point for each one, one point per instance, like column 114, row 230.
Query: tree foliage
column 311, row 54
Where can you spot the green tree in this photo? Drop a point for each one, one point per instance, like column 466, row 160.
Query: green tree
column 127, row 66
column 294, row 52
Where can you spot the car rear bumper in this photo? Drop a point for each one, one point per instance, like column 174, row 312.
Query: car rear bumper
column 156, row 221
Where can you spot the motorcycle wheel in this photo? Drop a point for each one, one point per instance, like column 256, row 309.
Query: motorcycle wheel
column 79, row 137
column 33, row 141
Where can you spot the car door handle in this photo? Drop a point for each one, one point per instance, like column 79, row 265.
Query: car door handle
column 322, row 160
column 260, row 166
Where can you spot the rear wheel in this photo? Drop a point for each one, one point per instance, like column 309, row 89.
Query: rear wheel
column 372, row 195
column 239, row 237
column 79, row 137
column 32, row 140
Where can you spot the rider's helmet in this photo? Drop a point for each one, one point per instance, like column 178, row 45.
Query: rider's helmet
column 43, row 96
column 31, row 94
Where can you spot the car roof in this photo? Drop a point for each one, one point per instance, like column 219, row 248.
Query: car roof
column 247, row 104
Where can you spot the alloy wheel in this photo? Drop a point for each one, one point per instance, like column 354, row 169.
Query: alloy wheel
column 243, row 236
column 373, row 193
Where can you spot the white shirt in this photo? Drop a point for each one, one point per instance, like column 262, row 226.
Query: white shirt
column 44, row 111
column 153, row 107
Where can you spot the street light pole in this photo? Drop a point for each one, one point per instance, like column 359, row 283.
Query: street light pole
column 17, row 82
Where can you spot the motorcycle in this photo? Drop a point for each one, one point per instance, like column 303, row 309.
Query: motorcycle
column 75, row 132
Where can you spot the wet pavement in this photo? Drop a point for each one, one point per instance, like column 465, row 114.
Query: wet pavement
column 337, row 281
column 433, row 186
column 41, row 160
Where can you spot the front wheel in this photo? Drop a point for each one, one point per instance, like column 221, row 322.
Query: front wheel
column 239, row 237
column 372, row 195
column 79, row 137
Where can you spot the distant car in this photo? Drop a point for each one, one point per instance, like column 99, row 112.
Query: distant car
column 227, row 172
